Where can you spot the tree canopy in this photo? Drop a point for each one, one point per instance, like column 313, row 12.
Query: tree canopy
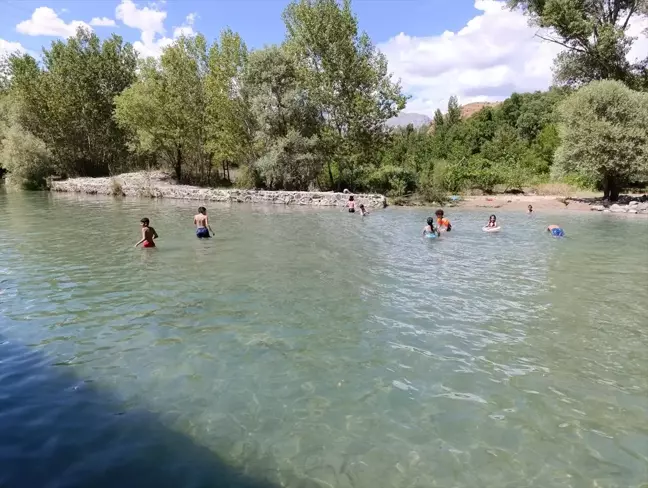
column 311, row 112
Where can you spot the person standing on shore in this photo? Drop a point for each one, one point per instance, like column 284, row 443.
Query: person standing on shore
column 202, row 224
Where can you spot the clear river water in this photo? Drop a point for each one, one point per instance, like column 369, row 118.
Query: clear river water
column 311, row 348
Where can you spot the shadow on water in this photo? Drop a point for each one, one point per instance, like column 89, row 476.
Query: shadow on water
column 60, row 431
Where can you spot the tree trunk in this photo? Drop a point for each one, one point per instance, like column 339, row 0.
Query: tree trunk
column 178, row 163
column 611, row 187
column 330, row 172
column 614, row 189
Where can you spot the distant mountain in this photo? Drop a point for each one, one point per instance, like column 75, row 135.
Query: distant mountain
column 405, row 119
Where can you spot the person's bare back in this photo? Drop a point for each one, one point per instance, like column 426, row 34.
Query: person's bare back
column 201, row 222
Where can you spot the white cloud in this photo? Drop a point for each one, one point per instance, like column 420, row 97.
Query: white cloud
column 46, row 22
column 150, row 21
column 494, row 54
column 8, row 47
column 102, row 22
column 186, row 29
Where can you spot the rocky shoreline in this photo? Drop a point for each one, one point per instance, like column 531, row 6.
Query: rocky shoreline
column 625, row 204
column 160, row 185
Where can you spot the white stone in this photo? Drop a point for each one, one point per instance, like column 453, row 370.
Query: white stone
column 158, row 185
column 618, row 208
column 632, row 210
column 598, row 208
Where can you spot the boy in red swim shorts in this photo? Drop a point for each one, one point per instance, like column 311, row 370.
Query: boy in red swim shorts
column 148, row 234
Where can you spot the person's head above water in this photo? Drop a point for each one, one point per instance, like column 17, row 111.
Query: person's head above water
column 351, row 198
column 530, row 207
column 202, row 210
column 439, row 213
column 430, row 221
column 492, row 218
column 145, row 222
column 362, row 205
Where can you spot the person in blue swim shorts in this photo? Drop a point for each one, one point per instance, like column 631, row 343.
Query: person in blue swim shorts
column 202, row 224
column 556, row 231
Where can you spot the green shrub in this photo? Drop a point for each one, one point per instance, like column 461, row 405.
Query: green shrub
column 26, row 158
column 391, row 180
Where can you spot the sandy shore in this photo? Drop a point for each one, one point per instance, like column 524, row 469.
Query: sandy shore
column 521, row 202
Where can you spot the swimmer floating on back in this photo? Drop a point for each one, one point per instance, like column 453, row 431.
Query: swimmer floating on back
column 148, row 234
column 556, row 231
column 430, row 228
column 202, row 224
column 442, row 223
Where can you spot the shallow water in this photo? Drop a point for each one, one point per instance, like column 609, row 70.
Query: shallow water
column 312, row 348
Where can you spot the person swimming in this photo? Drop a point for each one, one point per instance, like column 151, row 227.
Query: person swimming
column 351, row 204
column 556, row 231
column 492, row 221
column 530, row 209
column 202, row 224
column 442, row 223
column 430, row 228
column 148, row 234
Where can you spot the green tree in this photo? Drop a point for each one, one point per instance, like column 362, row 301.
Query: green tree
column 166, row 109
column 453, row 116
column 68, row 101
column 230, row 128
column 347, row 78
column 286, row 121
column 604, row 134
column 594, row 35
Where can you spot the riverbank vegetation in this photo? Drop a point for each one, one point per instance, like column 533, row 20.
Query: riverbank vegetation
column 311, row 112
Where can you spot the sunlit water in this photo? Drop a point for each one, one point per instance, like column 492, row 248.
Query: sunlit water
column 313, row 348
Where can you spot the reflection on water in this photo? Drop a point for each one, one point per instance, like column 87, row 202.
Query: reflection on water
column 316, row 348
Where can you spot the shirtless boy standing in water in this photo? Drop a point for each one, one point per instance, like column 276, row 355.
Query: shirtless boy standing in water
column 148, row 234
column 202, row 224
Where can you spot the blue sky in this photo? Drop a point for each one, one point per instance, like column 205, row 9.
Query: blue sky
column 475, row 49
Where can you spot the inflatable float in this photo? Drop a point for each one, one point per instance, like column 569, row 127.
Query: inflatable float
column 431, row 235
column 492, row 229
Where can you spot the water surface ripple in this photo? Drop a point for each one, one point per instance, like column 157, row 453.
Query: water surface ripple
column 309, row 347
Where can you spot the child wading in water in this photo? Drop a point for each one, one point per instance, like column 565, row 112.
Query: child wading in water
column 430, row 228
column 442, row 223
column 363, row 210
column 351, row 204
column 530, row 209
column 492, row 221
column 202, row 224
column 148, row 234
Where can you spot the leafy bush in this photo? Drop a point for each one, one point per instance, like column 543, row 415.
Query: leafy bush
column 26, row 158
column 431, row 183
column 391, row 180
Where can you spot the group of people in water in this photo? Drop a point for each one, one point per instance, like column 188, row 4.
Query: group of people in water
column 201, row 221
column 435, row 225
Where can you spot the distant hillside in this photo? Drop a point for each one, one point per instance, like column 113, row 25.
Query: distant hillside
column 405, row 119
column 471, row 109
